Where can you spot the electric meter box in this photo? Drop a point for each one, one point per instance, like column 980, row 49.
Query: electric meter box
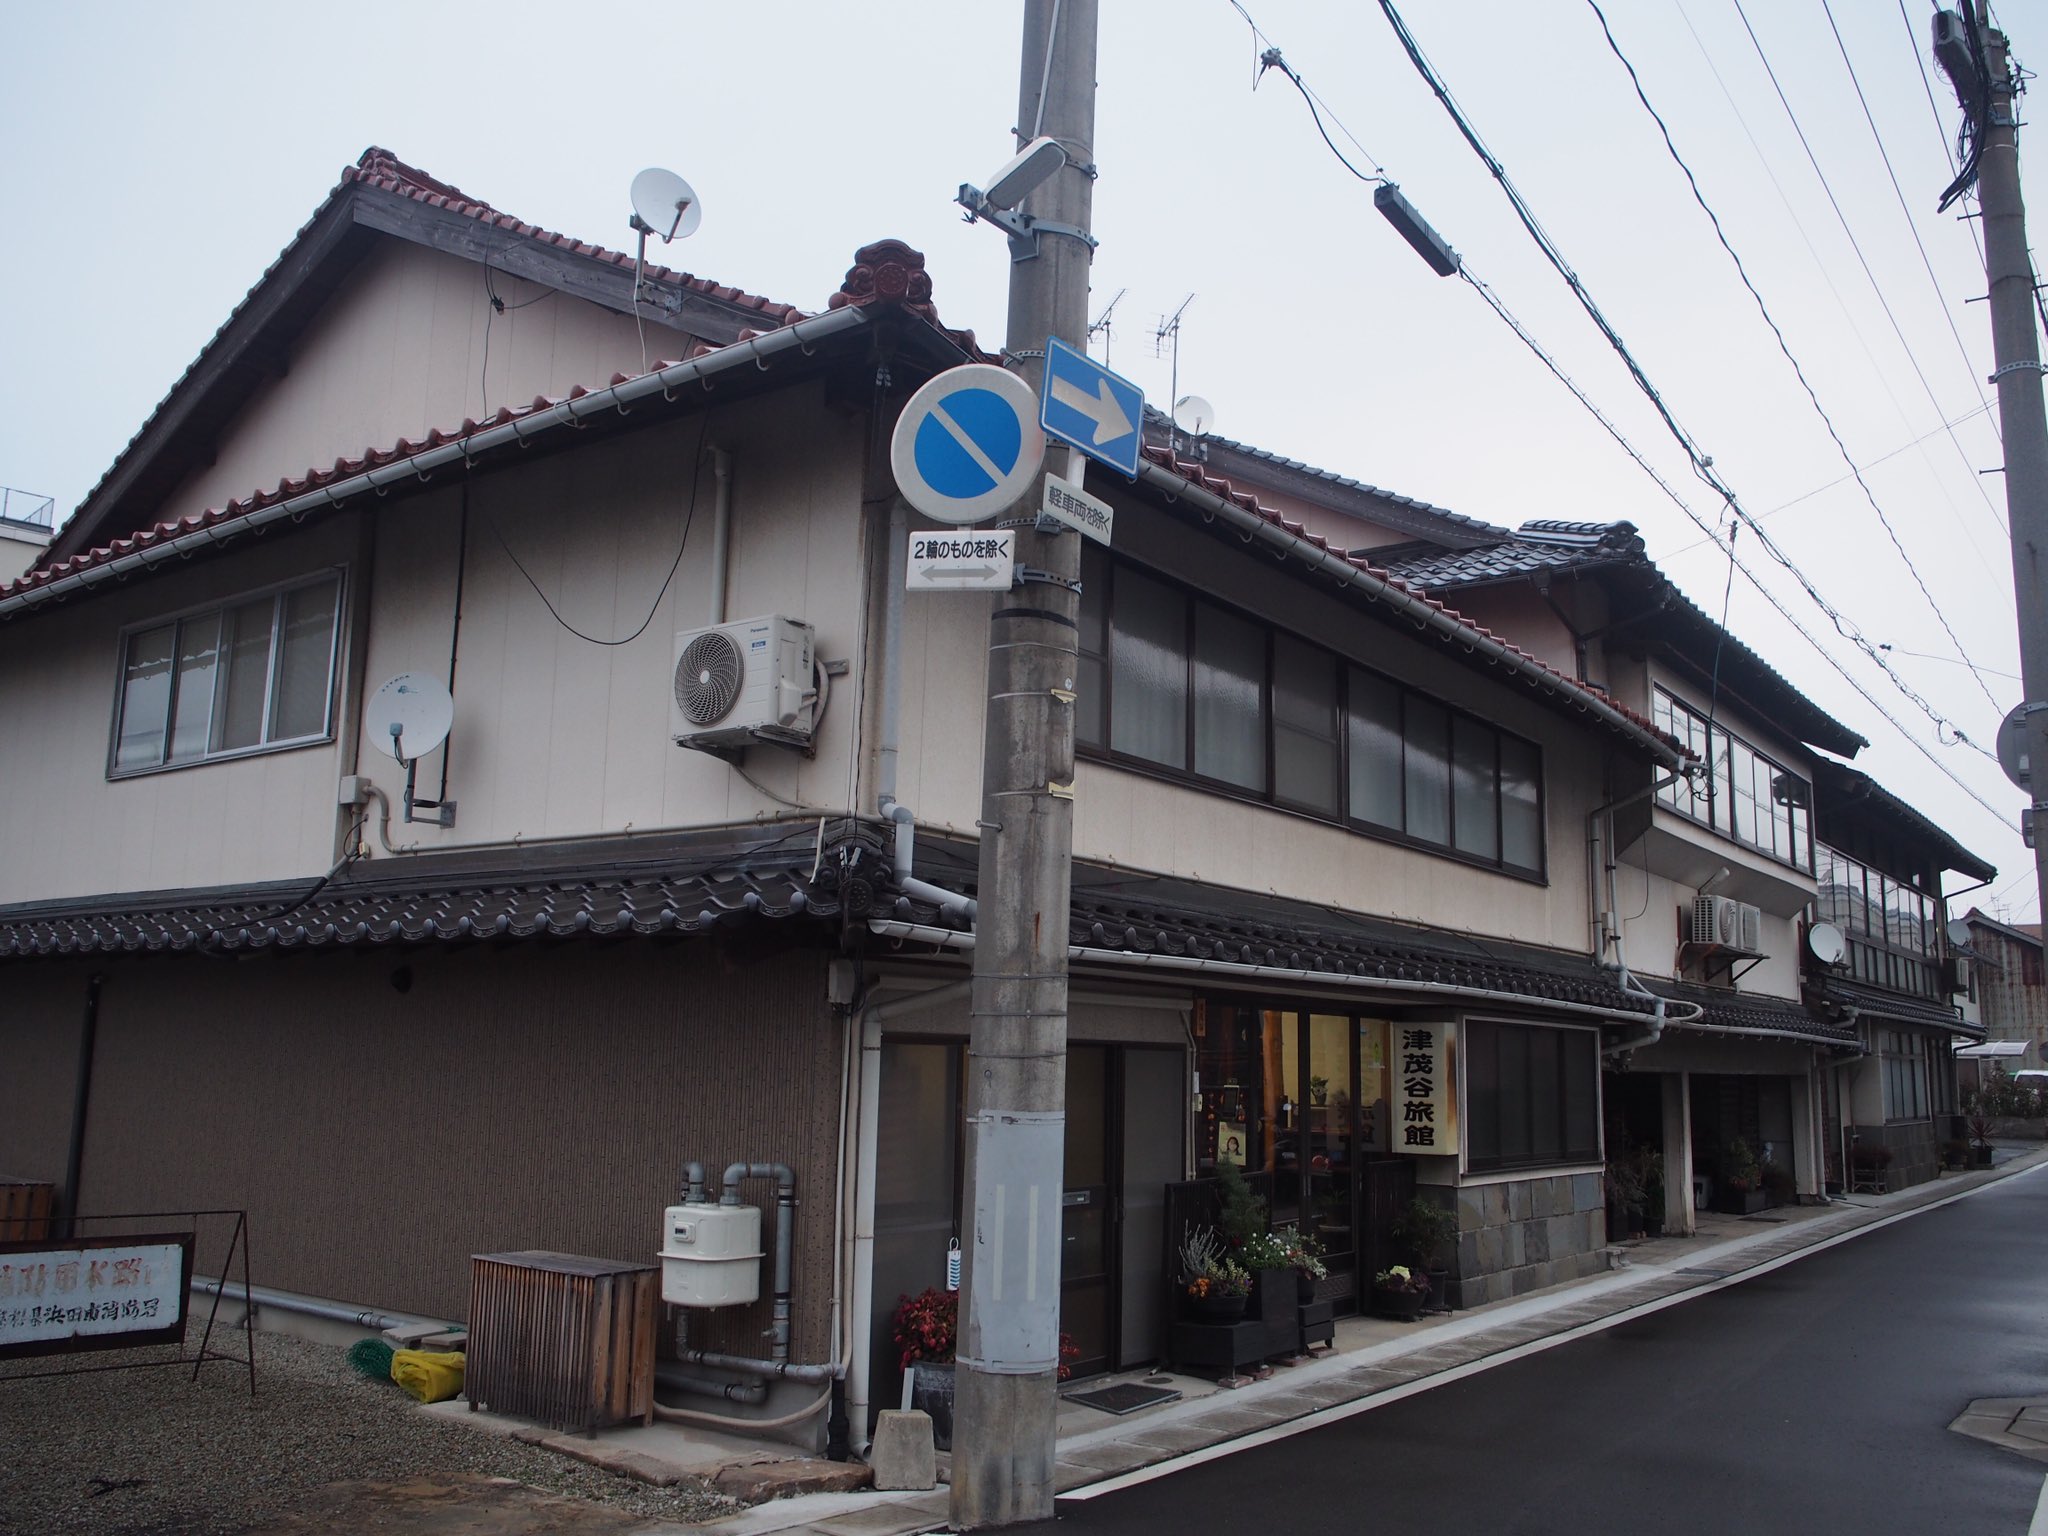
column 711, row 1255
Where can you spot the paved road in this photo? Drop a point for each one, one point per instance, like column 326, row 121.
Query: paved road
column 1812, row 1399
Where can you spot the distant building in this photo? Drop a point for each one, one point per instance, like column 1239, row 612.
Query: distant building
column 2007, row 987
column 25, row 523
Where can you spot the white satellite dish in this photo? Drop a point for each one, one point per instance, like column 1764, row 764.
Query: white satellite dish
column 1194, row 415
column 1959, row 931
column 664, row 204
column 1826, row 943
column 410, row 716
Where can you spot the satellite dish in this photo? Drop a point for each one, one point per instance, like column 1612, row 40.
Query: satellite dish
column 1194, row 415
column 1826, row 944
column 664, row 204
column 1959, row 931
column 410, row 715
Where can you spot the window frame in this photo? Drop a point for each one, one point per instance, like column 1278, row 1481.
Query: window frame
column 1565, row 1155
column 1875, row 956
column 1343, row 666
column 1703, row 806
column 277, row 592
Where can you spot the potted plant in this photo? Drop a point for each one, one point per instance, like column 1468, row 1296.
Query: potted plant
column 926, row 1327
column 1955, row 1153
column 1778, row 1184
column 1214, row 1289
column 1742, row 1190
column 1269, row 1260
column 1240, row 1214
column 1648, row 1168
column 1426, row 1230
column 1305, row 1258
column 1624, row 1187
column 1980, row 1142
column 1869, row 1160
column 1399, row 1293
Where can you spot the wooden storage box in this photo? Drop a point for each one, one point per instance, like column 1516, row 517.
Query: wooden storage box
column 25, row 1210
column 559, row 1338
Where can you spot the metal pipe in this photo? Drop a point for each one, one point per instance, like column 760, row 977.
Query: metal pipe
column 693, row 1180
column 670, row 1415
column 802, row 336
column 785, row 1233
column 679, row 1380
column 747, row 1365
column 81, row 1097
column 1430, row 616
column 721, row 531
column 309, row 1306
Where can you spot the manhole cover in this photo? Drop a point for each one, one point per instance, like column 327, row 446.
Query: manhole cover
column 1125, row 1397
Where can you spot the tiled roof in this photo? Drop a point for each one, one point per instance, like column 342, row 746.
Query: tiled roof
column 424, row 902
column 1550, row 545
column 1844, row 788
column 1441, row 516
column 1747, row 1013
column 1197, row 473
column 1877, row 1003
column 381, row 169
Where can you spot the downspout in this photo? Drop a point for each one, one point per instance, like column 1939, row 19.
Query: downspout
column 899, row 815
column 1607, row 921
column 721, row 532
column 862, row 1298
column 81, row 1098
column 785, row 1234
column 262, row 1298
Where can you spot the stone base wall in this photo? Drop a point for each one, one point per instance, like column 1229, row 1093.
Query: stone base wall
column 1520, row 1237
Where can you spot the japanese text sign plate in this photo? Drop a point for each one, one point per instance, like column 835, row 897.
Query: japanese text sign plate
column 969, row 560
column 1085, row 405
column 1087, row 515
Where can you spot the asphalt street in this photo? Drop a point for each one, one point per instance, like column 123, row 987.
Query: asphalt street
column 1815, row 1398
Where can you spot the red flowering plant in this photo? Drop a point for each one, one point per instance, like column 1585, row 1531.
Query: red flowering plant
column 927, row 1327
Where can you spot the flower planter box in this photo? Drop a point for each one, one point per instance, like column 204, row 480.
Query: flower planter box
column 1274, row 1294
column 1401, row 1305
column 1741, row 1202
column 928, row 1384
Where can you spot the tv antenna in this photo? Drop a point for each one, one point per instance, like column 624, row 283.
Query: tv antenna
column 1168, row 336
column 666, row 205
column 1101, row 322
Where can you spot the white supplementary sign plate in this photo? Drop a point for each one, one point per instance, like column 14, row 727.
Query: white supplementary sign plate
column 91, row 1295
column 1087, row 515
column 961, row 560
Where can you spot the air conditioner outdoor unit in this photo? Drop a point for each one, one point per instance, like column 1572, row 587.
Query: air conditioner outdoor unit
column 1727, row 924
column 742, row 683
column 1955, row 975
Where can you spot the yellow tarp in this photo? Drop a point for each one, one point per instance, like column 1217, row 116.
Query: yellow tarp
column 428, row 1375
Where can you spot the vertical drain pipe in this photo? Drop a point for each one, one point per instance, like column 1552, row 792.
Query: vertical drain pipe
column 81, row 1099
column 785, row 1231
column 721, row 531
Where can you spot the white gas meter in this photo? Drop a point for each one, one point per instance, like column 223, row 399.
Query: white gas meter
column 711, row 1255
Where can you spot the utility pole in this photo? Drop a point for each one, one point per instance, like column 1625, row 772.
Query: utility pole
column 1006, row 1380
column 2015, row 347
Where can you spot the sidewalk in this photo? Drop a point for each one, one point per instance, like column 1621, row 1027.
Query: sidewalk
column 1374, row 1358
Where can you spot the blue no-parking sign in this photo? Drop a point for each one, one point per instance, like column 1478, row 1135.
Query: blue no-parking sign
column 967, row 444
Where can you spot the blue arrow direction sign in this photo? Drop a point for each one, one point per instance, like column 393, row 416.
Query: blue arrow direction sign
column 966, row 446
column 1094, row 410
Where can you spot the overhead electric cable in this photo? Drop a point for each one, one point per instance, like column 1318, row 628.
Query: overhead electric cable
column 1702, row 464
column 1785, row 347
column 1855, row 245
column 1713, row 534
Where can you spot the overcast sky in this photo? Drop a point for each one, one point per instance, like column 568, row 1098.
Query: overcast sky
column 165, row 154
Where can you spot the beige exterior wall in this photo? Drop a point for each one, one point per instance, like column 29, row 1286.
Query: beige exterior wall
column 20, row 551
column 533, row 1097
column 70, row 830
column 400, row 350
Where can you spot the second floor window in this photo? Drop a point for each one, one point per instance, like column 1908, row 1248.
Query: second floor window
column 1745, row 795
column 255, row 673
column 1889, row 924
column 1174, row 681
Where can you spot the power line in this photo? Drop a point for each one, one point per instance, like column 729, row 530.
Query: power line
column 1785, row 347
column 1702, row 464
column 1707, row 528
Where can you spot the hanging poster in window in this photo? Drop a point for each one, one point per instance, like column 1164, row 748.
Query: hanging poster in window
column 1425, row 1109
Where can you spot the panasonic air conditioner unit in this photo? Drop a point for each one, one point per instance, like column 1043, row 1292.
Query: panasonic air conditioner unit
column 742, row 683
column 1726, row 924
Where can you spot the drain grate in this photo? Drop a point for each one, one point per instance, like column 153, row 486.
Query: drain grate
column 1706, row 1274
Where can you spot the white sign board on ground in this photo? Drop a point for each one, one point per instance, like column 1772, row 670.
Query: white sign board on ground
column 967, row 444
column 92, row 1293
column 962, row 560
column 1088, row 515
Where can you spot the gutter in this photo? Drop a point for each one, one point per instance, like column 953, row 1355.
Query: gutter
column 758, row 350
column 1429, row 617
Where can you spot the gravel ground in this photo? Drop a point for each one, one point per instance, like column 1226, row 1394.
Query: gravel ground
column 152, row 1451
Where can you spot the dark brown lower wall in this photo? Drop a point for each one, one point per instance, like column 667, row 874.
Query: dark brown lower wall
column 382, row 1116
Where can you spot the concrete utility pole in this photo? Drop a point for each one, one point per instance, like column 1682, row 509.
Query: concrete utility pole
column 2016, row 350
column 1006, row 1381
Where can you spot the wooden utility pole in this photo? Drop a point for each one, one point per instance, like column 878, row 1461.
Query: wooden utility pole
column 1006, row 1380
column 2015, row 346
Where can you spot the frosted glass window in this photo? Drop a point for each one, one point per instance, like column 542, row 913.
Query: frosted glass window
column 1230, row 698
column 1304, row 724
column 1428, row 771
column 305, row 663
column 1473, row 780
column 145, row 697
column 1091, row 683
column 1374, row 728
column 1521, row 804
column 198, row 666
column 1149, row 671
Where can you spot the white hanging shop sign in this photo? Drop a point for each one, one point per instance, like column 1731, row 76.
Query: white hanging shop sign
column 1425, row 1089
